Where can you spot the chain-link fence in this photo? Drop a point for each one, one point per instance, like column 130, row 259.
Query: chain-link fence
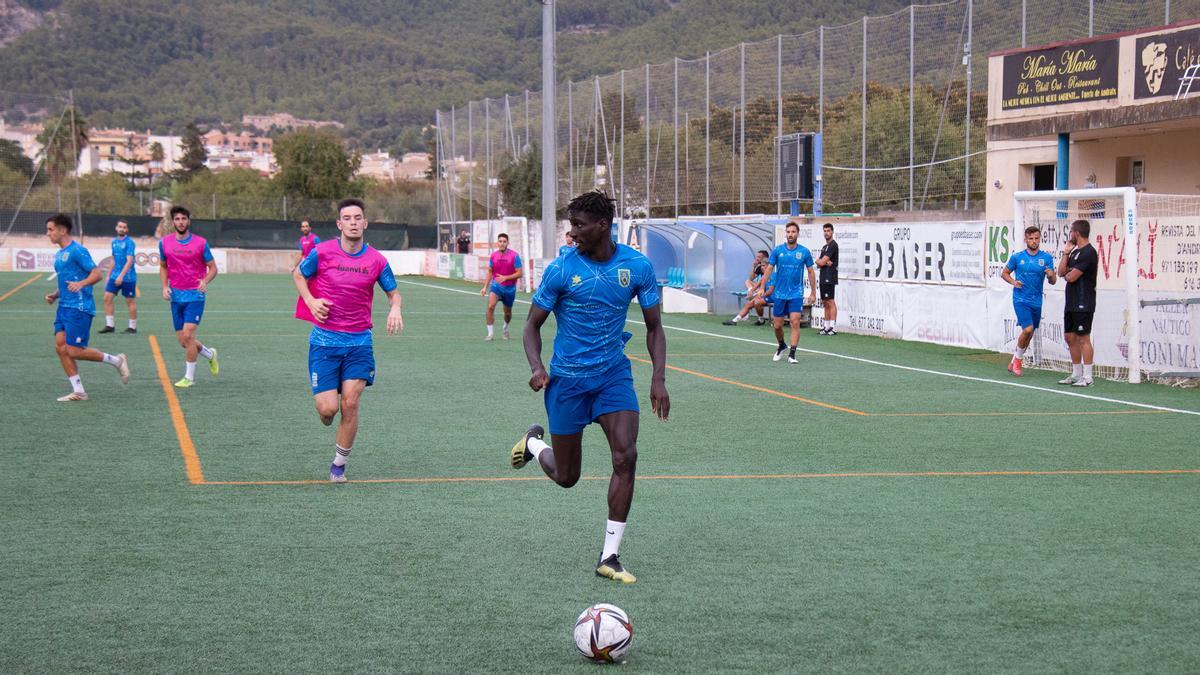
column 901, row 101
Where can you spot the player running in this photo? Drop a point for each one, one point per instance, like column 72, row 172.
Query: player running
column 500, row 285
column 1032, row 267
column 122, row 278
column 589, row 292
column 76, row 275
column 186, row 268
column 337, row 283
column 1078, row 266
column 756, row 299
column 308, row 241
column 790, row 260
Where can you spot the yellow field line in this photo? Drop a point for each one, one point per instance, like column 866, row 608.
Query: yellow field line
column 191, row 461
column 763, row 390
column 1021, row 414
column 767, row 476
column 23, row 285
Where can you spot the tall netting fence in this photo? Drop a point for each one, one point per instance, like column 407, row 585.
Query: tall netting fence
column 40, row 140
column 901, row 101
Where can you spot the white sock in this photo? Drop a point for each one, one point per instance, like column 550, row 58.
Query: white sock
column 1019, row 353
column 133, row 324
column 1087, row 371
column 613, row 531
column 491, row 330
column 191, row 370
column 736, row 318
column 206, row 352
column 108, row 320
column 112, row 360
column 832, row 324
column 340, row 455
column 1077, row 370
column 506, row 325
column 536, row 446
column 76, row 384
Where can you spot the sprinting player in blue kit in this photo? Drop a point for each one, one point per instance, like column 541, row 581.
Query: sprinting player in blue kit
column 76, row 273
column 589, row 290
column 1032, row 267
column 786, row 268
column 122, row 278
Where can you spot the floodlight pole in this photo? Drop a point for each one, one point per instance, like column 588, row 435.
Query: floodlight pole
column 549, row 149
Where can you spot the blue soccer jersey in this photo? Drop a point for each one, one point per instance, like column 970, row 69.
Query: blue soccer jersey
column 788, row 275
column 1030, row 270
column 123, row 249
column 74, row 263
column 565, row 249
column 590, row 301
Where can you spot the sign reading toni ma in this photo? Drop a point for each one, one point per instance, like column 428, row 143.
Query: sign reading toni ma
column 1160, row 61
column 1060, row 75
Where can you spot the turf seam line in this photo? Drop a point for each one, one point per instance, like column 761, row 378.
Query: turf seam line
column 23, row 285
column 191, row 460
column 884, row 363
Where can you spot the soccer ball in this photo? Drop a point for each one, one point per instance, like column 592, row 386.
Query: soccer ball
column 603, row 633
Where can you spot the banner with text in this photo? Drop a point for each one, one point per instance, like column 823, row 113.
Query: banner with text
column 927, row 253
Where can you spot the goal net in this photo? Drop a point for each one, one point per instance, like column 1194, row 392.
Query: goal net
column 1147, row 321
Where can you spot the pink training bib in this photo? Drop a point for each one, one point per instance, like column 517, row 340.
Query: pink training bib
column 348, row 283
column 186, row 266
column 504, row 263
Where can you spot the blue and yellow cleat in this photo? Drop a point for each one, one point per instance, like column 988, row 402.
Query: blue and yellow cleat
column 337, row 474
column 213, row 366
column 611, row 568
column 520, row 451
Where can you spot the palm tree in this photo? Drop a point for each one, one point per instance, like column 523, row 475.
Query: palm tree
column 62, row 143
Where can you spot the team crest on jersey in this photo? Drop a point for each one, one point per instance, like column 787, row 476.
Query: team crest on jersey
column 623, row 276
column 66, row 256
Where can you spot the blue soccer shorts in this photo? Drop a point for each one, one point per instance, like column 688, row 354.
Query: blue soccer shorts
column 507, row 294
column 782, row 308
column 127, row 288
column 77, row 324
column 186, row 312
column 572, row 403
column 1028, row 315
column 328, row 367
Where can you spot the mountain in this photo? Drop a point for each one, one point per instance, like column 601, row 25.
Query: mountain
column 379, row 66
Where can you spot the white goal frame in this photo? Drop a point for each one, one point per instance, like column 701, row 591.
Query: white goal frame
column 1128, row 197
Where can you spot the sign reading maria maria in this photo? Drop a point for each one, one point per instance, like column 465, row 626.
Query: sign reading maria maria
column 1161, row 61
column 1061, row 75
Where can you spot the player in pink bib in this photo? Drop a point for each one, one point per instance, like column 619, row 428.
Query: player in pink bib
column 308, row 241
column 186, row 267
column 336, row 281
column 504, row 268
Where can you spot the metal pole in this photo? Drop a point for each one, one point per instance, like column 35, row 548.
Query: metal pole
column 451, row 174
column 1023, row 15
column 862, row 173
column 596, row 119
column 647, row 134
column 912, row 55
column 526, row 119
column 75, row 161
column 471, row 158
column 570, row 138
column 742, row 133
column 1091, row 18
column 820, row 82
column 675, row 121
column 549, row 140
column 778, row 110
column 487, row 159
column 1167, row 14
column 621, row 194
column 214, row 205
column 967, row 60
column 435, row 175
column 707, row 128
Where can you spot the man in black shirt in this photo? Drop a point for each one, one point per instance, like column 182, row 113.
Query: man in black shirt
column 828, row 262
column 464, row 242
column 1078, row 266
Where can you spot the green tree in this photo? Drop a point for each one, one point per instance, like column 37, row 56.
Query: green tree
column 13, row 157
column 62, row 143
column 194, row 154
column 314, row 163
column 240, row 193
column 521, row 185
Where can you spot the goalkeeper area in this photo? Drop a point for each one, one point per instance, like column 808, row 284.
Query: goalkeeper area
column 882, row 505
column 1147, row 322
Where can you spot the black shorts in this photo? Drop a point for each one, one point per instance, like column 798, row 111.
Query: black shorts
column 1079, row 323
column 827, row 290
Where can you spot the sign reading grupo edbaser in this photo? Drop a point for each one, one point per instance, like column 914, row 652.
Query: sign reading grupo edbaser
column 1061, row 75
column 928, row 253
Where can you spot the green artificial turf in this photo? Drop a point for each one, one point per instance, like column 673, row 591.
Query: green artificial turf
column 114, row 562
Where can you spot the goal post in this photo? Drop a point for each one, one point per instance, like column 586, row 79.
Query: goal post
column 1070, row 205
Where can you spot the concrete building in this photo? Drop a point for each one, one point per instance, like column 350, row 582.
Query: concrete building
column 264, row 123
column 24, row 135
column 1110, row 111
column 382, row 166
column 243, row 150
column 129, row 152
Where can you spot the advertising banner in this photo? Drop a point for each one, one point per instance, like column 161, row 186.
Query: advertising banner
column 145, row 260
column 1060, row 75
column 1160, row 62
column 866, row 308
column 927, row 253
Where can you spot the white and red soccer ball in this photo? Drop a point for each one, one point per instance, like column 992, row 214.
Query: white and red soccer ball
column 603, row 633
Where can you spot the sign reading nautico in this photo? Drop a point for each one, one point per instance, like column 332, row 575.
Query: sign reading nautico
column 1061, row 75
